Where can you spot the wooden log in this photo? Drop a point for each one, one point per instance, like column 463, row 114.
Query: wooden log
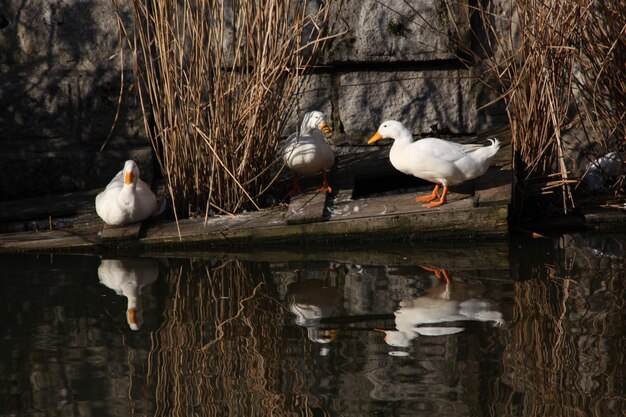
column 460, row 221
column 46, row 206
column 306, row 208
column 494, row 187
column 112, row 233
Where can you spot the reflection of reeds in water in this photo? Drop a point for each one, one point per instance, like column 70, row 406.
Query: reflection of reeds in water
column 219, row 351
column 562, row 349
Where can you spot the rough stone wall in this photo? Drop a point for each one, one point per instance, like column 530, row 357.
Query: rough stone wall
column 59, row 89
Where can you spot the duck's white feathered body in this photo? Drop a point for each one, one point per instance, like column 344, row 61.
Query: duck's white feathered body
column 427, row 315
column 126, row 199
column 307, row 152
column 436, row 160
column 127, row 277
column 441, row 161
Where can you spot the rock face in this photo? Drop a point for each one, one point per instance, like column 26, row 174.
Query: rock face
column 399, row 60
column 397, row 30
column 60, row 78
column 60, row 83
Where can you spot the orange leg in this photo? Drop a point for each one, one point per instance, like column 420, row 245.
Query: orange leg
column 431, row 197
column 441, row 274
column 441, row 201
column 296, row 187
column 325, row 186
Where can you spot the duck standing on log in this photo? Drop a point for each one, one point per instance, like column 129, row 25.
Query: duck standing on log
column 126, row 199
column 436, row 160
column 307, row 152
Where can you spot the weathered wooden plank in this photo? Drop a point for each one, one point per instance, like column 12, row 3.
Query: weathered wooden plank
column 48, row 240
column 306, row 208
column 128, row 232
column 486, row 221
column 254, row 231
column 395, row 217
column 47, row 206
column 494, row 187
column 397, row 204
column 600, row 217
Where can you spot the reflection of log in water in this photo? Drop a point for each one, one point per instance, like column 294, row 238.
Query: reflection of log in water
column 564, row 356
column 219, row 351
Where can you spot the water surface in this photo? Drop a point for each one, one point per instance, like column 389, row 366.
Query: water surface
column 526, row 328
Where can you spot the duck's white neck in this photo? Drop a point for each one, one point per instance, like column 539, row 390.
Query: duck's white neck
column 305, row 129
column 403, row 138
column 397, row 152
column 127, row 193
column 132, row 292
column 127, row 190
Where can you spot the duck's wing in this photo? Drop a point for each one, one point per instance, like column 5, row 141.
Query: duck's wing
column 288, row 144
column 444, row 150
column 472, row 147
column 117, row 181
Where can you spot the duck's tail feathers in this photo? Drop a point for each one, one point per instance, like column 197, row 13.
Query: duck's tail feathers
column 495, row 143
column 473, row 147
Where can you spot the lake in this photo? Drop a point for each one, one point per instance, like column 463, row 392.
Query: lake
column 524, row 328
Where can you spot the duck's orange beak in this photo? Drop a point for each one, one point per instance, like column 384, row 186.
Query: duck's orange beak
column 128, row 177
column 325, row 128
column 132, row 318
column 377, row 136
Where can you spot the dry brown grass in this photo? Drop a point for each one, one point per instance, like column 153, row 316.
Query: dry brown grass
column 217, row 84
column 556, row 65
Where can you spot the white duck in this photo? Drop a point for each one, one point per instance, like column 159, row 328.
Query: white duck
column 311, row 301
column 126, row 199
column 423, row 316
column 435, row 160
column 127, row 277
column 307, row 153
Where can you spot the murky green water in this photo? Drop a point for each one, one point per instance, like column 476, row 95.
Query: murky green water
column 534, row 328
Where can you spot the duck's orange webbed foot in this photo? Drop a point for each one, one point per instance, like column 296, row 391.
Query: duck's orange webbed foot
column 325, row 186
column 427, row 198
column 440, row 273
column 441, row 201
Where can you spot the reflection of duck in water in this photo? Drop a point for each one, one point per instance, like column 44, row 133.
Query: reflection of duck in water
column 127, row 277
column 444, row 303
column 311, row 301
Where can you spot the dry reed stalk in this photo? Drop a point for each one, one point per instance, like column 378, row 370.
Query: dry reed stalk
column 551, row 62
column 534, row 72
column 600, row 74
column 218, row 82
